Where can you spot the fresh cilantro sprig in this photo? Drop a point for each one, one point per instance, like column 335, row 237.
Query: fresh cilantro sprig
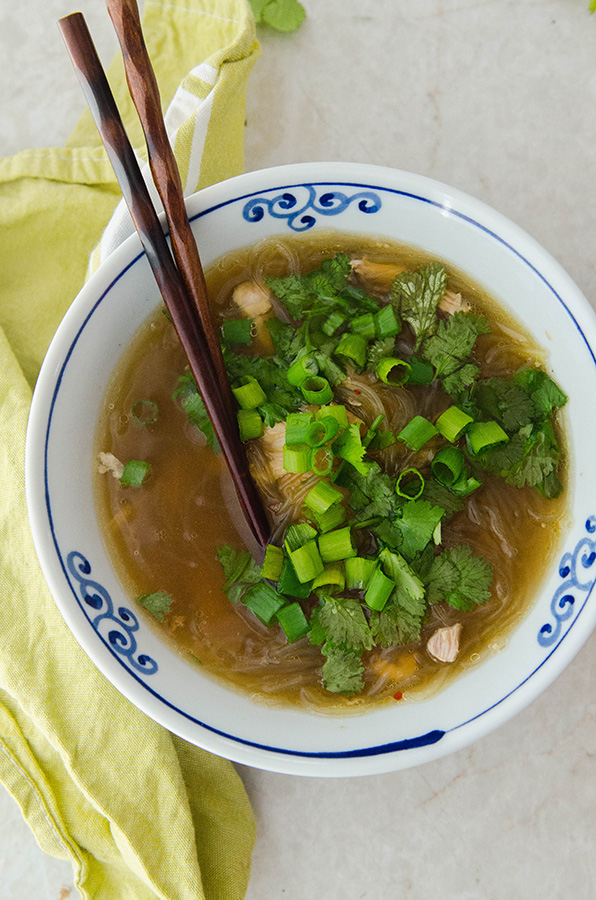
column 192, row 404
column 416, row 296
column 240, row 570
column 449, row 350
column 459, row 577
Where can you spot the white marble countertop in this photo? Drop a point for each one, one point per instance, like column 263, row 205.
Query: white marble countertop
column 497, row 97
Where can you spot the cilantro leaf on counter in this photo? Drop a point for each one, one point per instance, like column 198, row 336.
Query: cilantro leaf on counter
column 342, row 670
column 416, row 296
column 460, row 578
column 240, row 570
column 344, row 623
column 283, row 15
column 158, row 604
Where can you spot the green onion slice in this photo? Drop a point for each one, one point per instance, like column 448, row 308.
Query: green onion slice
column 336, row 545
column 273, row 563
column 417, row 432
column 296, row 458
column 145, row 412
column 332, row 518
column 410, row 484
column 134, row 473
column 298, row 535
column 237, row 331
column 293, row 621
column 338, row 412
column 297, row 427
column 452, row 423
column 289, row 585
column 352, row 347
column 321, row 497
column 250, row 424
column 482, row 435
column 386, row 323
column 358, row 572
column 379, row 590
column 307, row 561
column 321, row 460
column 332, row 579
column 322, row 431
column 316, row 390
column 303, row 368
column 393, row 371
column 447, row 465
column 248, row 392
column 263, row 600
column 365, row 326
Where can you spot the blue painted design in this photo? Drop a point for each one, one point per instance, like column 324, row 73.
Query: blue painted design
column 117, row 628
column 295, row 210
column 562, row 605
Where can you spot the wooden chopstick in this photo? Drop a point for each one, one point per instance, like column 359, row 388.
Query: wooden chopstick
column 144, row 91
column 180, row 306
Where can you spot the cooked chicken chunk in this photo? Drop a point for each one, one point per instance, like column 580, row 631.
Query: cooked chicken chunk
column 110, row 463
column 452, row 303
column 255, row 303
column 443, row 645
column 376, row 276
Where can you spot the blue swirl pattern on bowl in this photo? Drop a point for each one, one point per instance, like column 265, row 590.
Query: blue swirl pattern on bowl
column 329, row 203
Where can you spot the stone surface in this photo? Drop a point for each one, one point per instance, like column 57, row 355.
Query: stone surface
column 497, row 98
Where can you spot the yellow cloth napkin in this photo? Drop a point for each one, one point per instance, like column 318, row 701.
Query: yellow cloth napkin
column 140, row 813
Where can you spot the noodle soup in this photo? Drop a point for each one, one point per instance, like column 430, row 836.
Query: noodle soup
column 169, row 514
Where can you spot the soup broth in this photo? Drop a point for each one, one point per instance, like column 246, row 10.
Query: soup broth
column 164, row 535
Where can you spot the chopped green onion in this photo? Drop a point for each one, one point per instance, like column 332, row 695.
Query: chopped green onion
column 372, row 431
column 134, row 473
column 482, row 435
column 382, row 440
column 338, row 412
column 333, row 322
column 273, row 563
column 322, row 431
column 263, row 601
column 465, row 485
column 145, row 412
column 237, row 331
column 421, row 372
column 336, row 545
column 316, row 390
column 298, row 535
column 358, row 572
column 248, row 392
column 332, row 578
column 410, row 484
column 321, row 497
column 364, row 325
column 452, row 423
column 386, row 323
column 321, row 460
column 379, row 590
column 307, row 561
column 437, row 533
column 296, row 458
column 301, row 369
column 288, row 582
column 447, row 465
column 293, row 621
column 250, row 424
column 417, row 432
column 393, row 371
column 332, row 518
column 297, row 426
column 352, row 347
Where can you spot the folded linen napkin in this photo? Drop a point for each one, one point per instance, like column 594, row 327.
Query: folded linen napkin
column 140, row 813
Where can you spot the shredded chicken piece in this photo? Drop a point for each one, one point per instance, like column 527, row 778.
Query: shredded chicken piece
column 452, row 303
column 443, row 645
column 376, row 276
column 110, row 463
column 255, row 302
column 272, row 444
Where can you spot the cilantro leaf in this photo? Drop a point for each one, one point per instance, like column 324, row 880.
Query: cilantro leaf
column 342, row 670
column 449, row 350
column 530, row 458
column 539, row 461
column 239, row 570
column 460, row 578
column 298, row 293
column 438, row 495
column 344, row 623
column 187, row 393
column 349, row 446
column 378, row 351
column 398, row 623
column 158, row 604
column 416, row 295
column 417, row 524
column 504, row 400
column 545, row 393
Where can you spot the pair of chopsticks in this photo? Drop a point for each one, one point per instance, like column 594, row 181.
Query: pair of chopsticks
column 180, row 278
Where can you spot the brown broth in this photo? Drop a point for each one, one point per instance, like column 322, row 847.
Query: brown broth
column 165, row 535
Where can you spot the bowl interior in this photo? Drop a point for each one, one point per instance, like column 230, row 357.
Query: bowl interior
column 97, row 329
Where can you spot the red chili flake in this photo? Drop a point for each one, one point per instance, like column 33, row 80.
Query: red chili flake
column 398, row 696
column 356, row 391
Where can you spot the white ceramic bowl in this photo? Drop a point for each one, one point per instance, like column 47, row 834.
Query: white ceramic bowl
column 97, row 329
